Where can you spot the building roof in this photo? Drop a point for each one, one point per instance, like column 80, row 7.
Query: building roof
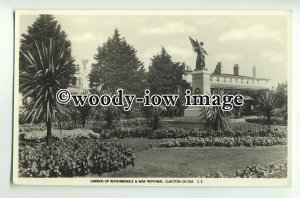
column 236, row 86
column 237, row 76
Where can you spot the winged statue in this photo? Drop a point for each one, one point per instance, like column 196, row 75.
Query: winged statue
column 201, row 53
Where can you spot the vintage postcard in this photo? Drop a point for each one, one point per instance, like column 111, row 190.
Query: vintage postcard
column 152, row 98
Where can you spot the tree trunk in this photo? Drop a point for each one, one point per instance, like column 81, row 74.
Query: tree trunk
column 60, row 130
column 269, row 122
column 49, row 135
column 83, row 122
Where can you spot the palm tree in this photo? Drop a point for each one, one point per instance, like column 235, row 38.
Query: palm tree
column 84, row 113
column 215, row 118
column 109, row 114
column 48, row 71
column 153, row 115
column 267, row 105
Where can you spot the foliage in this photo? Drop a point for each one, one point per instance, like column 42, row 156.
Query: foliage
column 72, row 158
column 45, row 27
column 117, row 66
column 165, row 76
column 278, row 120
column 237, row 112
column 46, row 73
column 218, row 174
column 146, row 111
column 82, row 113
column 275, row 170
column 155, row 117
column 45, row 65
column 224, row 142
column 122, row 133
column 181, row 133
column 216, row 118
column 109, row 114
column 267, row 103
column 282, row 98
column 281, row 93
column 178, row 109
column 40, row 135
column 31, row 127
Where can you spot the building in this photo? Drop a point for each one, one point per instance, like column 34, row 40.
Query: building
column 222, row 83
column 80, row 81
column 204, row 82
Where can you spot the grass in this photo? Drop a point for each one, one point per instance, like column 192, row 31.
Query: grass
column 193, row 162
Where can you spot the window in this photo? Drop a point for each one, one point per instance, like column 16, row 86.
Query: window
column 74, row 81
column 79, row 83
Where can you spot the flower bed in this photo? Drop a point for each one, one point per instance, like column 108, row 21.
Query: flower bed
column 181, row 133
column 274, row 170
column 40, row 136
column 122, row 132
column 216, row 138
column 70, row 158
column 31, row 127
column 275, row 120
column 224, row 142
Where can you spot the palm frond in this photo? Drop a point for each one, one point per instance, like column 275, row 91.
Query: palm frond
column 47, row 72
column 215, row 118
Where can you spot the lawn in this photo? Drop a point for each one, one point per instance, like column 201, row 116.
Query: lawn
column 193, row 162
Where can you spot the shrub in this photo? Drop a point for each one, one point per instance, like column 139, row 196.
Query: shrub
column 275, row 120
column 181, row 133
column 218, row 174
column 215, row 118
column 40, row 136
column 31, row 127
column 275, row 170
column 224, row 142
column 72, row 158
column 122, row 132
column 154, row 119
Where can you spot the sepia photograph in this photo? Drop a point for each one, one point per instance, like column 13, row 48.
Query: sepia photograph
column 152, row 98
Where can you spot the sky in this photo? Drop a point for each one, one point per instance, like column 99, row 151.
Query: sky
column 246, row 39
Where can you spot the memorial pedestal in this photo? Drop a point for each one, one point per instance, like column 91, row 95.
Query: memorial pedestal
column 201, row 82
column 200, row 85
column 193, row 111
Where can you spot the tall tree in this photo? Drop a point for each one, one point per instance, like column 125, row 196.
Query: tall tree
column 117, row 66
column 165, row 76
column 282, row 98
column 45, row 27
column 46, row 65
column 40, row 80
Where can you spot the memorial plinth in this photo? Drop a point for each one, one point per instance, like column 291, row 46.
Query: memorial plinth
column 201, row 82
column 200, row 85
